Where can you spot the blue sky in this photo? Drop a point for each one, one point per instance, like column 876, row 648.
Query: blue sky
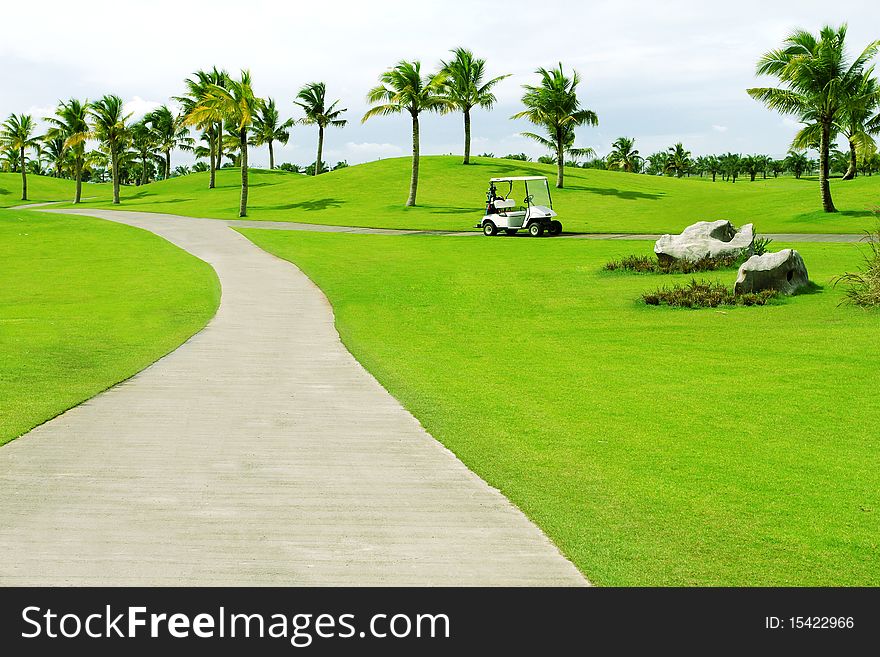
column 658, row 71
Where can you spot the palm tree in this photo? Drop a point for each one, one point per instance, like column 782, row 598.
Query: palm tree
column 268, row 129
column 170, row 132
column 855, row 122
column 236, row 105
column 731, row 165
column 143, row 140
column 17, row 133
column 70, row 123
column 752, row 164
column 777, row 167
column 679, row 161
column 313, row 100
column 53, row 147
column 466, row 89
column 657, row 163
column 818, row 82
column 197, row 86
column 404, row 89
column 713, row 166
column 797, row 163
column 624, row 155
column 109, row 128
column 554, row 106
column 232, row 143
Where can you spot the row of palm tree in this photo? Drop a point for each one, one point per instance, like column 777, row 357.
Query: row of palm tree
column 230, row 117
column 460, row 84
column 678, row 161
column 830, row 94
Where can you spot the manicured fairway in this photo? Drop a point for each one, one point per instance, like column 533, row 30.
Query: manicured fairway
column 86, row 303
column 452, row 197
column 42, row 189
column 655, row 446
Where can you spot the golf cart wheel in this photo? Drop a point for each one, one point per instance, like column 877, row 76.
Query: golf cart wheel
column 555, row 227
column 511, row 231
column 536, row 229
column 489, row 229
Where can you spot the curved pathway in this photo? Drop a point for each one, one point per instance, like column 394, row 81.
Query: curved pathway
column 259, row 452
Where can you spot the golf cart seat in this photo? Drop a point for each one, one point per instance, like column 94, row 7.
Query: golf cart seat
column 504, row 204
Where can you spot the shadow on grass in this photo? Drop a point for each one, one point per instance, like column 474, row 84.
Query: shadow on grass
column 4, row 192
column 308, row 206
column 809, row 288
column 626, row 195
column 819, row 215
column 448, row 209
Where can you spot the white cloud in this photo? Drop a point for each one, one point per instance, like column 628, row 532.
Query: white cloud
column 647, row 68
column 137, row 107
column 719, row 128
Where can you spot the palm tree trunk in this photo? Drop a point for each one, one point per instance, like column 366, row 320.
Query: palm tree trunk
column 143, row 170
column 320, row 149
column 467, row 136
column 713, row 176
column 824, row 185
column 213, row 146
column 271, row 156
column 23, row 175
column 114, row 167
column 242, row 208
column 853, row 162
column 414, row 180
column 560, row 162
column 219, row 143
column 78, row 194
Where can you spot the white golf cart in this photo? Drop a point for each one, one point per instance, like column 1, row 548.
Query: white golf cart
column 534, row 214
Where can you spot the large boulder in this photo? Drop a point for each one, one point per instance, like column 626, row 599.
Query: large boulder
column 705, row 239
column 784, row 271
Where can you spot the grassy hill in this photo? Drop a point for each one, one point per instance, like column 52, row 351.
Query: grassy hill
column 42, row 189
column 451, row 197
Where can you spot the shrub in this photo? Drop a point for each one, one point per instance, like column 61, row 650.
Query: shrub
column 522, row 157
column 759, row 247
column 705, row 294
column 653, row 265
column 863, row 287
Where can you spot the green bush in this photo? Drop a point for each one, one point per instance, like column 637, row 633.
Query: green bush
column 705, row 294
column 863, row 287
column 653, row 265
column 759, row 246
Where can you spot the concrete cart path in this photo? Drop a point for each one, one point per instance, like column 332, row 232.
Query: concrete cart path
column 259, row 452
column 325, row 228
column 331, row 228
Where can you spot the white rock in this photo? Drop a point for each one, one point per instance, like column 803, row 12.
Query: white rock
column 705, row 238
column 784, row 271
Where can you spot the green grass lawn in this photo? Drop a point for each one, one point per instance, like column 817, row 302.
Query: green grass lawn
column 655, row 446
column 42, row 189
column 84, row 304
column 452, row 196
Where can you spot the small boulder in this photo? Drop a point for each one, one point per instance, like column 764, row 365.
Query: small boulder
column 784, row 271
column 705, row 239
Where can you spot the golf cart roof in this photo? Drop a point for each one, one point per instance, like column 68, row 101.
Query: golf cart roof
column 517, row 178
